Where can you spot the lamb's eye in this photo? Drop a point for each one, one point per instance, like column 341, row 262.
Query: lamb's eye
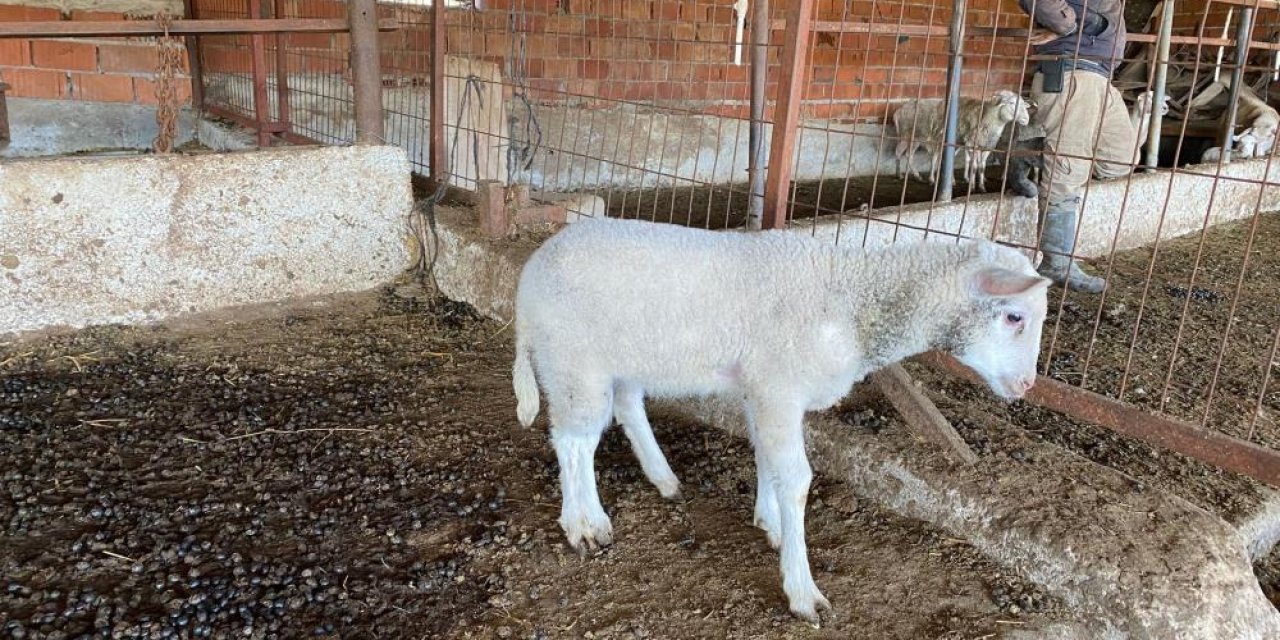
column 1013, row 318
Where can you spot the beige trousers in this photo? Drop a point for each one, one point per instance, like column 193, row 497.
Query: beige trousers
column 1088, row 132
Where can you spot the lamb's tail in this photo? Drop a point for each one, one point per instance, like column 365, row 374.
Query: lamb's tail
column 526, row 385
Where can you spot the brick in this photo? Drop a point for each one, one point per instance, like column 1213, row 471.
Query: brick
column 135, row 58
column 101, row 87
column 15, row 13
column 593, row 69
column 64, row 54
column 145, row 90
column 15, row 53
column 35, row 83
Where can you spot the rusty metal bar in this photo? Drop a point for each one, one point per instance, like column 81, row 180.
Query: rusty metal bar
column 1237, row 79
column 193, row 58
column 261, row 108
column 437, row 171
column 114, row 28
column 282, row 68
column 5, row 137
column 921, row 415
column 759, row 68
column 366, row 71
column 1212, row 447
column 275, row 128
column 791, row 85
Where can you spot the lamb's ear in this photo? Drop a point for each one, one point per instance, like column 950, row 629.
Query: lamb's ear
column 999, row 282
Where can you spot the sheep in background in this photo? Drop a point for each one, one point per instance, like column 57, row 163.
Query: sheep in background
column 608, row 311
column 1263, row 120
column 1246, row 146
column 920, row 123
column 1027, row 147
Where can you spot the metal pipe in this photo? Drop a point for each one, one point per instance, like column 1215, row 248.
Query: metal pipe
column 1237, row 79
column 1162, row 74
column 366, row 70
column 437, row 171
column 947, row 169
column 282, row 69
column 760, row 31
column 791, row 85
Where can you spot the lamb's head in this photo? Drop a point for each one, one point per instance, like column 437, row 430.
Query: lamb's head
column 1246, row 144
column 997, row 330
column 1013, row 107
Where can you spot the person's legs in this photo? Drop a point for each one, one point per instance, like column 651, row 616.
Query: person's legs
column 1118, row 141
column 1070, row 120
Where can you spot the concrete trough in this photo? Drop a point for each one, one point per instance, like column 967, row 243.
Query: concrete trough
column 88, row 241
column 1134, row 564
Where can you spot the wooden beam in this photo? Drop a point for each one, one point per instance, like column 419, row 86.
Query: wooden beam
column 921, row 415
column 112, row 28
column 793, row 78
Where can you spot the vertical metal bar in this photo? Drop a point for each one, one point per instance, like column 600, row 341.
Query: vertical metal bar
column 791, row 85
column 947, row 169
column 193, row 59
column 5, row 137
column 261, row 109
column 1162, row 73
column 366, row 70
column 437, row 172
column 760, row 29
column 282, row 71
column 1237, row 77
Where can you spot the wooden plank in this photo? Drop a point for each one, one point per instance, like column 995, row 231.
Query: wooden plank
column 921, row 415
column 111, row 28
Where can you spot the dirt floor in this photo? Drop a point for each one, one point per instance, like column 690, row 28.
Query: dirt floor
column 355, row 470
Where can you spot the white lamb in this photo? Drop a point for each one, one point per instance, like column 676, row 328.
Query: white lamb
column 981, row 123
column 608, row 311
column 1246, row 146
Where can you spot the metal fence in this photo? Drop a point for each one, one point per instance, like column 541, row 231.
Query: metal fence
column 665, row 110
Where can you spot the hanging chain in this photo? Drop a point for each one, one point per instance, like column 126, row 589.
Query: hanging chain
column 170, row 64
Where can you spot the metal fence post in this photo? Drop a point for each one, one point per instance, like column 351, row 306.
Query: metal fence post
column 1162, row 72
column 947, row 169
column 791, row 85
column 760, row 29
column 437, row 172
column 1237, row 78
column 366, row 71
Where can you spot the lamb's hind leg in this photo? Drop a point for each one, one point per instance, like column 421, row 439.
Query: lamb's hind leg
column 579, row 412
column 628, row 409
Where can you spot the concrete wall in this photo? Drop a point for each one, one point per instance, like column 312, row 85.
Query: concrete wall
column 118, row 240
column 54, row 127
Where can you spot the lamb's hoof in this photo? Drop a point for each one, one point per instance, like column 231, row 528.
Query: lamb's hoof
column 669, row 488
column 587, row 534
column 810, row 611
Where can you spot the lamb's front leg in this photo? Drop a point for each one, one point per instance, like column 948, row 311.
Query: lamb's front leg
column 766, row 512
column 780, row 439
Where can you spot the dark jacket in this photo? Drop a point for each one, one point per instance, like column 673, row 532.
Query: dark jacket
column 1099, row 31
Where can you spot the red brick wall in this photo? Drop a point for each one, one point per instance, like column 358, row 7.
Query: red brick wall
column 677, row 52
column 98, row 70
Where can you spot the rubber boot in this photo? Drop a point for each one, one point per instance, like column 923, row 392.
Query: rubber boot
column 1057, row 241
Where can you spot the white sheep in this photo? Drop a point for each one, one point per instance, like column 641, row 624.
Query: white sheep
column 1246, row 146
column 608, row 311
column 981, row 123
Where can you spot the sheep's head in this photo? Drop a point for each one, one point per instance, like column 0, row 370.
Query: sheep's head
column 997, row 332
column 1013, row 107
column 1246, row 143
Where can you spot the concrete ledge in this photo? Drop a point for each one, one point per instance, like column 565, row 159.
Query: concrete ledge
column 1131, row 564
column 1156, row 206
column 134, row 239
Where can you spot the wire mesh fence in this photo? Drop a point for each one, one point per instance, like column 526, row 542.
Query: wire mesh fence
column 643, row 110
